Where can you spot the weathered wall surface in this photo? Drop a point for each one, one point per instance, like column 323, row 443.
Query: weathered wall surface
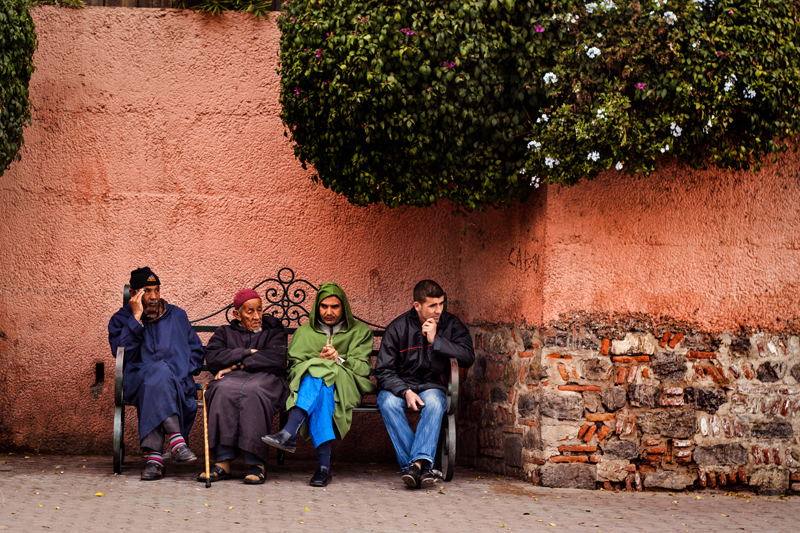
column 157, row 141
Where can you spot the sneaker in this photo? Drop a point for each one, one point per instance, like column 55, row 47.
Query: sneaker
column 183, row 454
column 411, row 477
column 152, row 471
column 427, row 479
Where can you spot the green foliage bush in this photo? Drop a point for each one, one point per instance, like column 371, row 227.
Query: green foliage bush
column 478, row 101
column 17, row 44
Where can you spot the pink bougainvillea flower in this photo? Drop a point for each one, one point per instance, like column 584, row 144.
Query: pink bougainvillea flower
column 640, row 85
column 539, row 29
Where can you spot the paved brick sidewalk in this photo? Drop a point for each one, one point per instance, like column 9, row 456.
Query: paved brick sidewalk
column 58, row 493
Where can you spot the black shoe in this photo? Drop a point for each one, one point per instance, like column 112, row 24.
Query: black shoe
column 152, row 471
column 427, row 479
column 283, row 440
column 411, row 477
column 321, row 477
column 183, row 454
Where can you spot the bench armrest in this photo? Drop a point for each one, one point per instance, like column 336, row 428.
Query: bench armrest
column 118, row 377
column 452, row 387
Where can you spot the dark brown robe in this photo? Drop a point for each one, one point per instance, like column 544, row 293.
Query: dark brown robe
column 242, row 404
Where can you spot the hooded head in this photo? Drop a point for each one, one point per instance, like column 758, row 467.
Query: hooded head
column 326, row 290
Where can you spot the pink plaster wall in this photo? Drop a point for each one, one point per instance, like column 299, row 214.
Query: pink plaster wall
column 156, row 140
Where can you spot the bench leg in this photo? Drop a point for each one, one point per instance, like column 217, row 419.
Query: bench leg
column 447, row 447
column 119, row 438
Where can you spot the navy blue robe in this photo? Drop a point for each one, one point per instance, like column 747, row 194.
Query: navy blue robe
column 160, row 359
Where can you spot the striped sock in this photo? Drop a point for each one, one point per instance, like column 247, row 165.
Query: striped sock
column 155, row 457
column 175, row 440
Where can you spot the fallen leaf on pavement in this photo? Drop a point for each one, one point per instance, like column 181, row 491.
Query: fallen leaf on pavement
column 99, row 494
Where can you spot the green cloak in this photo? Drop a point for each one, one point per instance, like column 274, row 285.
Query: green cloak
column 354, row 344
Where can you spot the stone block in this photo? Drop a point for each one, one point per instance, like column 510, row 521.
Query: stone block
column 511, row 373
column 619, row 449
column 500, row 341
column 644, row 395
column 770, row 481
column 676, row 424
column 772, row 430
column 532, row 438
column 669, row 367
column 597, row 369
column 796, row 372
column 499, row 394
column 707, row 399
column 563, row 406
column 512, row 450
column 770, row 372
column 721, row 454
column 643, row 343
column 670, row 480
column 614, row 398
column 591, row 401
column 570, row 476
column 528, row 405
column 612, row 470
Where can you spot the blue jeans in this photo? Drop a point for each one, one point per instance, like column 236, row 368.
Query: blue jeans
column 317, row 399
column 408, row 446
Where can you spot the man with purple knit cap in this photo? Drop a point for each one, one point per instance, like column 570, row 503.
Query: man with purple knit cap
column 162, row 352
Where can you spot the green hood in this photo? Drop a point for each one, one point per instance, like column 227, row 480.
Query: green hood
column 327, row 290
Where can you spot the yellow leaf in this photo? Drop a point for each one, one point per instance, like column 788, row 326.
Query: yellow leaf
column 260, row 501
column 307, row 509
column 300, row 522
column 167, row 511
column 40, row 505
column 231, row 507
column 502, row 525
column 99, row 494
column 186, row 519
column 724, row 515
column 697, row 498
column 206, row 505
column 552, row 524
column 58, row 507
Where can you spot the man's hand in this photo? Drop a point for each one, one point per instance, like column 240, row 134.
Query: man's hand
column 223, row 372
column 413, row 401
column 136, row 304
column 329, row 353
column 429, row 329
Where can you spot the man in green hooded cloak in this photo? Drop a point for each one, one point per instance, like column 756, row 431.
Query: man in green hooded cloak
column 329, row 365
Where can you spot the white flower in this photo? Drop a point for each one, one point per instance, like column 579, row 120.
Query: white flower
column 590, row 7
column 695, row 44
column 661, row 3
column 670, row 18
column 749, row 93
column 593, row 156
column 601, row 114
column 729, row 83
column 551, row 162
column 543, row 118
column 619, row 165
column 535, row 181
column 676, row 130
column 599, row 35
column 593, row 52
column 550, row 78
column 522, row 171
column 708, row 124
column 571, row 19
column 554, row 16
column 534, row 144
column 665, row 148
column 607, row 5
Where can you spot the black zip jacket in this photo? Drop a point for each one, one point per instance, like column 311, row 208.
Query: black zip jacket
column 407, row 361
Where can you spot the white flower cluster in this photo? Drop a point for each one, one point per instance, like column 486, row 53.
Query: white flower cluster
column 543, row 118
column 670, row 18
column 535, row 181
column 698, row 4
column 601, row 114
column 593, row 52
column 571, row 19
column 660, row 3
column 550, row 78
column 550, row 162
column 599, row 35
column 709, row 124
column 675, row 129
column 605, row 5
column 590, row 7
column 729, row 83
column 665, row 148
column 749, row 93
column 619, row 165
column 534, row 144
column 522, row 172
column 593, row 156
column 695, row 44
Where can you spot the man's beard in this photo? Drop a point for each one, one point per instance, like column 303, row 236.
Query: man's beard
column 151, row 310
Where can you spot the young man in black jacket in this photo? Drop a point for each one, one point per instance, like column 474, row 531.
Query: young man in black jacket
column 413, row 370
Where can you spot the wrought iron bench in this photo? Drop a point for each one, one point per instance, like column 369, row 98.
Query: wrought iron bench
column 285, row 297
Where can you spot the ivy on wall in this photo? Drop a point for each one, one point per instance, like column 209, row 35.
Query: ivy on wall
column 479, row 101
column 17, row 45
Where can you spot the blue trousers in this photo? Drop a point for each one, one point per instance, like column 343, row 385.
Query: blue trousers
column 316, row 399
column 410, row 446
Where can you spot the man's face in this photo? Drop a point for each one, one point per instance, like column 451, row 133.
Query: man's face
column 330, row 310
column 150, row 301
column 249, row 314
column 430, row 308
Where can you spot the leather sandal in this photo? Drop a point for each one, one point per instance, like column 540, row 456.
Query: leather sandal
column 217, row 474
column 255, row 476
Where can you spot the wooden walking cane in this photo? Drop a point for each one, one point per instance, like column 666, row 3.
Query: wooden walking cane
column 205, row 436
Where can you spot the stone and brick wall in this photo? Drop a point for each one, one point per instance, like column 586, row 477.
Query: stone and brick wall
column 633, row 403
